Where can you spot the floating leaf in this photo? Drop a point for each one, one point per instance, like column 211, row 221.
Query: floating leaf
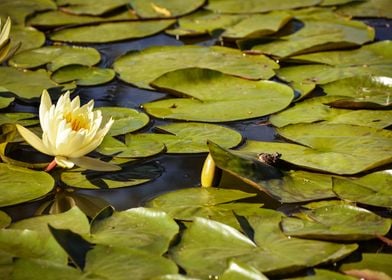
column 26, row 38
column 83, row 75
column 24, row 119
column 164, row 8
column 160, row 60
column 21, row 184
column 239, row 271
column 19, row 10
column 256, row 6
column 130, row 149
column 90, row 7
column 370, row 8
column 55, row 57
column 110, row 32
column 372, row 189
column 316, row 110
column 139, row 228
column 361, row 92
column 323, row 274
column 216, row 204
column 377, row 262
column 190, row 137
column 319, row 34
column 129, row 175
column 5, row 220
column 336, row 222
column 5, row 101
column 60, row 18
column 206, row 246
column 372, row 59
column 203, row 22
column 25, row 84
column 337, row 2
column 257, row 98
column 125, row 119
column 335, row 148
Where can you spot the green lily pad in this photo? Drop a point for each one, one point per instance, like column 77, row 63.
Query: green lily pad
column 129, row 175
column 125, row 119
column 164, row 8
column 361, row 92
column 319, row 34
column 378, row 262
column 206, row 247
column 257, row 98
column 204, row 22
column 190, row 137
column 90, row 7
column 257, row 6
column 110, row 32
column 372, row 189
column 51, row 19
column 139, row 228
column 19, row 10
column 239, row 271
column 55, row 57
column 162, row 59
column 370, row 8
column 130, row 149
column 257, row 25
column 26, row 38
column 5, row 101
column 83, row 75
column 287, row 187
column 336, row 222
column 21, row 184
column 372, row 59
column 323, row 274
column 5, row 220
column 25, row 84
column 337, row 2
column 25, row 119
column 335, row 148
column 213, row 203
column 316, row 110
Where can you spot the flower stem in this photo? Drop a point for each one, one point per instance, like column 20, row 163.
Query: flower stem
column 51, row 165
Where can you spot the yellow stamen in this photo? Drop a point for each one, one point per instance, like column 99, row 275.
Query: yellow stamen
column 77, row 122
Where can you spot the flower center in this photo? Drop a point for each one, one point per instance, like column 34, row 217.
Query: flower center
column 77, row 121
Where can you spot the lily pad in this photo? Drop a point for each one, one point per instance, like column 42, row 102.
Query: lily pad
column 21, row 184
column 111, row 32
column 83, row 75
column 336, row 222
column 377, row 262
column 51, row 19
column 370, row 8
column 129, row 175
column 26, row 38
column 19, row 10
column 25, row 84
column 162, row 59
column 5, row 101
column 361, row 92
column 90, row 7
column 164, row 8
column 239, row 271
column 25, row 119
column 337, row 2
column 130, row 149
column 335, row 148
column 257, row 98
column 125, row 119
column 206, row 246
column 287, row 187
column 319, row 34
column 213, row 203
column 372, row 189
column 139, row 228
column 372, row 59
column 257, row 6
column 323, row 274
column 55, row 57
column 5, row 220
column 316, row 110
column 204, row 22
column 190, row 137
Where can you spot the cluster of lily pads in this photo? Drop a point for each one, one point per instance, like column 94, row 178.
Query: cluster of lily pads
column 320, row 77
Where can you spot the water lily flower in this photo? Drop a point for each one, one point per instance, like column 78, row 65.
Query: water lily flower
column 70, row 131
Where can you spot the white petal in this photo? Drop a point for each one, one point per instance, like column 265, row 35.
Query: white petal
column 44, row 108
column 64, row 162
column 33, row 140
